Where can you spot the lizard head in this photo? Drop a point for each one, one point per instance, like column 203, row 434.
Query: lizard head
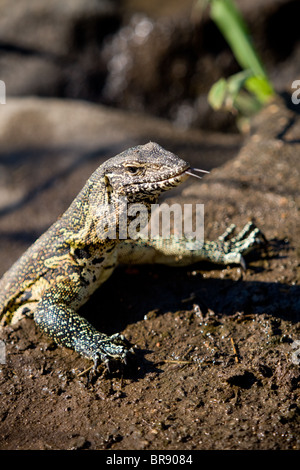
column 141, row 173
column 136, row 176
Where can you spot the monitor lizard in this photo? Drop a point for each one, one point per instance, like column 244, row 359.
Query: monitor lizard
column 62, row 269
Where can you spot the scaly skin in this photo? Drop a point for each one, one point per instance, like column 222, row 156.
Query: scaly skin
column 63, row 268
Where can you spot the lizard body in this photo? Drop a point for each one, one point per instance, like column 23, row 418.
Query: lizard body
column 62, row 269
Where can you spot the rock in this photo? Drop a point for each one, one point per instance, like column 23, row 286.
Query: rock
column 51, row 27
column 44, row 45
column 30, row 74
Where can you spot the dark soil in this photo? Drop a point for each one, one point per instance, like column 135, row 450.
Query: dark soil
column 215, row 365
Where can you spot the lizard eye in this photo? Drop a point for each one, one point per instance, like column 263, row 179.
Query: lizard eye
column 133, row 170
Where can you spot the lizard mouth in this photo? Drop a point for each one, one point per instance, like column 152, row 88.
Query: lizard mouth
column 164, row 184
column 177, row 177
column 183, row 175
column 171, row 181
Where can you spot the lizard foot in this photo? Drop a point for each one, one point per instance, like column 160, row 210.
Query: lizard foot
column 231, row 250
column 112, row 349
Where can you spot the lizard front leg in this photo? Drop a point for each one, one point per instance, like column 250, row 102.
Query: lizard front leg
column 56, row 317
column 182, row 252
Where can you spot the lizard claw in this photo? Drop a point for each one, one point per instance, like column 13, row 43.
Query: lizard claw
column 229, row 231
column 107, row 365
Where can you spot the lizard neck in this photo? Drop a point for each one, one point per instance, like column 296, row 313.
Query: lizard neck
column 99, row 214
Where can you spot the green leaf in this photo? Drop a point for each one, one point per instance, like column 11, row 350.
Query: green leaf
column 217, row 94
column 247, row 90
column 230, row 95
column 260, row 87
column 230, row 22
column 236, row 82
